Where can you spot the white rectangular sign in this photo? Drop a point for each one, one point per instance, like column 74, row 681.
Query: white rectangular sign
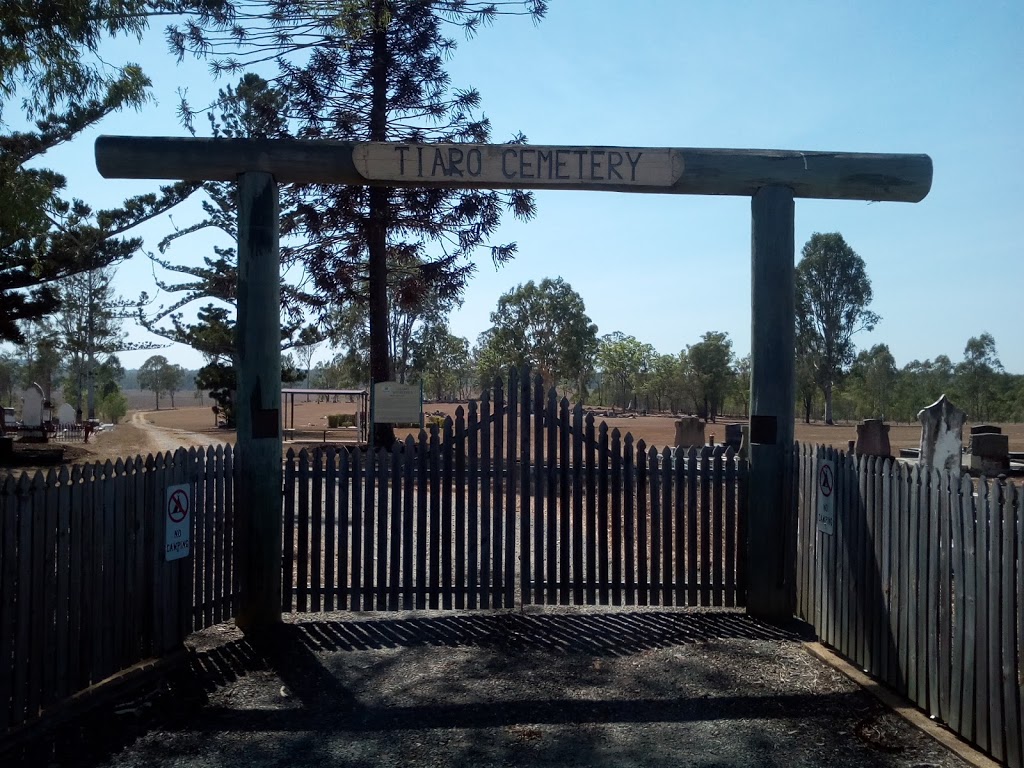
column 178, row 509
column 516, row 164
column 395, row 403
column 826, row 482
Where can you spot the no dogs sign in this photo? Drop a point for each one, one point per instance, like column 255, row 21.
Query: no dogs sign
column 178, row 542
column 826, row 495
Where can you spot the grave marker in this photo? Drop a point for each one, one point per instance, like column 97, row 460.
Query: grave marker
column 942, row 444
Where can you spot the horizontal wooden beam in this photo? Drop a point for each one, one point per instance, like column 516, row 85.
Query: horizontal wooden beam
column 827, row 175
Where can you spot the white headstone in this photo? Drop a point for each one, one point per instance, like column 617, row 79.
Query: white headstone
column 942, row 440
column 32, row 406
column 66, row 415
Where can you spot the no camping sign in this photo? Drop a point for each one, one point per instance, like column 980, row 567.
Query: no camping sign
column 826, row 481
column 178, row 511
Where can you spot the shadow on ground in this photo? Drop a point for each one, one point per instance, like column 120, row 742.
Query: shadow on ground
column 471, row 689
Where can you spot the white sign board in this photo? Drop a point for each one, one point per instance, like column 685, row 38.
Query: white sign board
column 512, row 164
column 178, row 509
column 826, row 496
column 395, row 403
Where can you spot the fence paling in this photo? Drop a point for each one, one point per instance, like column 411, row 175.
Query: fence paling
column 929, row 582
column 85, row 590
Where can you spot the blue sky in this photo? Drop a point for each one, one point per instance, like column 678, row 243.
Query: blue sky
column 942, row 78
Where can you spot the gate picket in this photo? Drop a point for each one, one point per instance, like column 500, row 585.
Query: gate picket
column 616, row 518
column 498, row 472
column 447, row 478
column 667, row 512
column 460, row 508
column 578, row 577
column 653, row 489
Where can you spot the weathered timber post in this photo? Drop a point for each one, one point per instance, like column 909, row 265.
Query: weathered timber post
column 771, row 591
column 258, row 401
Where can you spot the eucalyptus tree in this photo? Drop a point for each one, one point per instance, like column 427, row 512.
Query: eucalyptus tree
column 626, row 362
column 545, row 326
column 371, row 70
column 977, row 376
column 710, row 367
column 833, row 293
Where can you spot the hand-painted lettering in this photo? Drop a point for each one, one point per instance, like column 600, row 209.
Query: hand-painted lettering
column 560, row 163
column 474, row 157
column 614, row 161
column 401, row 150
column 515, row 164
column 525, row 166
column 632, row 164
column 504, row 167
column 438, row 161
column 581, row 153
column 454, row 161
column 542, row 158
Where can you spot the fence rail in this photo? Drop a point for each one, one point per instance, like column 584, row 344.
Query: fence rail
column 921, row 584
column 85, row 589
column 519, row 499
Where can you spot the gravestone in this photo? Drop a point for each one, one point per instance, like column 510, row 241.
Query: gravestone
column 986, row 429
column 66, row 415
column 873, row 438
column 32, row 407
column 990, row 453
column 734, row 436
column 942, row 444
column 689, row 432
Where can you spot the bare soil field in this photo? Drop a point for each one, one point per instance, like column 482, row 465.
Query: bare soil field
column 194, row 426
column 657, row 430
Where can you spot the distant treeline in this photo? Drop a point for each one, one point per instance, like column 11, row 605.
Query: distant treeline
column 130, row 380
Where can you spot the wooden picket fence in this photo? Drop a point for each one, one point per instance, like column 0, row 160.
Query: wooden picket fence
column 518, row 500
column 85, row 589
column 921, row 584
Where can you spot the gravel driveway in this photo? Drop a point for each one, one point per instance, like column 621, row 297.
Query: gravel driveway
column 558, row 687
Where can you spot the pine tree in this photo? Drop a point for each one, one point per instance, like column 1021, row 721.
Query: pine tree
column 372, row 70
column 49, row 65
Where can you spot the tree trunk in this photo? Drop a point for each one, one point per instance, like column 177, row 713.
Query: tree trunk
column 808, row 404
column 827, row 390
column 377, row 226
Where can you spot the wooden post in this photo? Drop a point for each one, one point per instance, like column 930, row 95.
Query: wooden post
column 258, row 401
column 770, row 584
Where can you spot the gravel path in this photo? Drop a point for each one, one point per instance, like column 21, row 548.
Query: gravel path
column 566, row 687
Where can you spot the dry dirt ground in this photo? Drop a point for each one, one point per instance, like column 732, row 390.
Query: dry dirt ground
column 194, row 426
column 558, row 687
column 655, row 430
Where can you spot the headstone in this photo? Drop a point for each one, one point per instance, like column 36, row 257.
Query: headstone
column 32, row 407
column 942, row 425
column 986, row 429
column 734, row 436
column 990, row 454
column 66, row 415
column 689, row 432
column 873, row 438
